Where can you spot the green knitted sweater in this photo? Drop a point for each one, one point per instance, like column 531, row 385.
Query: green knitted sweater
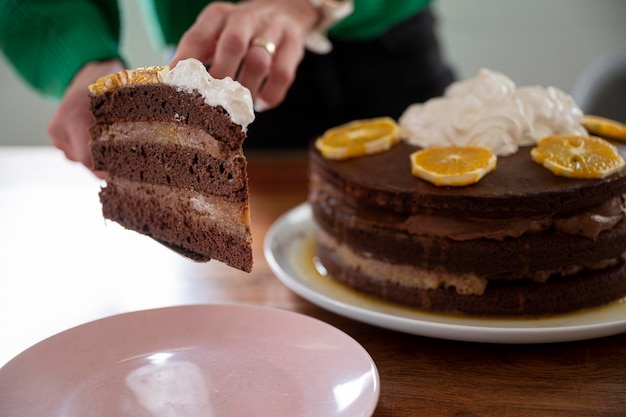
column 47, row 41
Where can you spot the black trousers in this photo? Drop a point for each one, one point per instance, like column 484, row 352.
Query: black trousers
column 357, row 80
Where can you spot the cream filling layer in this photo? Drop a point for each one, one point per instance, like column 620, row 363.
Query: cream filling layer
column 431, row 279
column 151, row 132
column 407, row 275
column 233, row 217
column 588, row 224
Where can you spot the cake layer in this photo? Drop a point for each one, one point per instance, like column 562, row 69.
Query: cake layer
column 435, row 276
column 557, row 295
column 173, row 165
column 518, row 187
column 588, row 223
column 164, row 103
column 200, row 227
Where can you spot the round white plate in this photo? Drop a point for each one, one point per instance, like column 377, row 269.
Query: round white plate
column 193, row 361
column 289, row 251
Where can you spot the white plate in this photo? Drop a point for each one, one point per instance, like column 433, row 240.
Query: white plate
column 193, row 361
column 289, row 251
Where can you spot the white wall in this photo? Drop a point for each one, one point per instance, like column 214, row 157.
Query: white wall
column 545, row 42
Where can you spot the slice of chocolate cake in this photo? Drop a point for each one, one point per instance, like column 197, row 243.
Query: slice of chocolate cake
column 170, row 142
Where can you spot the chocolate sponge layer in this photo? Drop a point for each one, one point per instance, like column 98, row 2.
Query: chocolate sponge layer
column 192, row 235
column 163, row 103
column 174, row 165
column 501, row 298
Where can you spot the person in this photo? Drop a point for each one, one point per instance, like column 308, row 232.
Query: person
column 382, row 57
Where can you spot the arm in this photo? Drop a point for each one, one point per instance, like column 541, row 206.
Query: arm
column 48, row 42
column 372, row 18
column 59, row 48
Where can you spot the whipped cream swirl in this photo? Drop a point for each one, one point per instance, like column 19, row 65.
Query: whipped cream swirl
column 489, row 110
column 191, row 74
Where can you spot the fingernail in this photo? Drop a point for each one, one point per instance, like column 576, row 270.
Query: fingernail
column 260, row 105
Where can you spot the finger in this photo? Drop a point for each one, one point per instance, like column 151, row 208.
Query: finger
column 58, row 137
column 288, row 56
column 200, row 40
column 233, row 44
column 79, row 144
column 74, row 142
column 258, row 62
column 69, row 130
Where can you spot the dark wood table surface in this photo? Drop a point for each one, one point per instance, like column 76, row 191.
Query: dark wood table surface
column 59, row 270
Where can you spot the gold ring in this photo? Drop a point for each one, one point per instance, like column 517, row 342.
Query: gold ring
column 269, row 46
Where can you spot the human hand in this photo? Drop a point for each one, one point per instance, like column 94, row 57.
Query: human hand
column 69, row 126
column 227, row 35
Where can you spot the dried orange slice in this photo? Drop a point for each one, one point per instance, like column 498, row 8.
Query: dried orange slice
column 358, row 138
column 452, row 165
column 603, row 127
column 577, row 156
column 117, row 80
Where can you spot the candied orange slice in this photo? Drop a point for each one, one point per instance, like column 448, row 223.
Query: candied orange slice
column 452, row 165
column 603, row 127
column 577, row 156
column 117, row 80
column 358, row 138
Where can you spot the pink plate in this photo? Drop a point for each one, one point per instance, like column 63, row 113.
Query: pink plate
column 193, row 361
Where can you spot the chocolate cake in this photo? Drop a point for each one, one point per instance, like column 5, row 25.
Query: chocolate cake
column 520, row 242
column 170, row 142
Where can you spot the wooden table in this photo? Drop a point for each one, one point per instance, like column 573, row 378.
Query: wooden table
column 61, row 265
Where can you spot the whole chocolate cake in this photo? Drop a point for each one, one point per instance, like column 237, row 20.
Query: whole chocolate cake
column 521, row 241
column 170, row 142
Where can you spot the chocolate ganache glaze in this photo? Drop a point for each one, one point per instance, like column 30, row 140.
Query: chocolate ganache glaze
column 519, row 187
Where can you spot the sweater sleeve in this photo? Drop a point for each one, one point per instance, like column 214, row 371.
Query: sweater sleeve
column 372, row 18
column 47, row 42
